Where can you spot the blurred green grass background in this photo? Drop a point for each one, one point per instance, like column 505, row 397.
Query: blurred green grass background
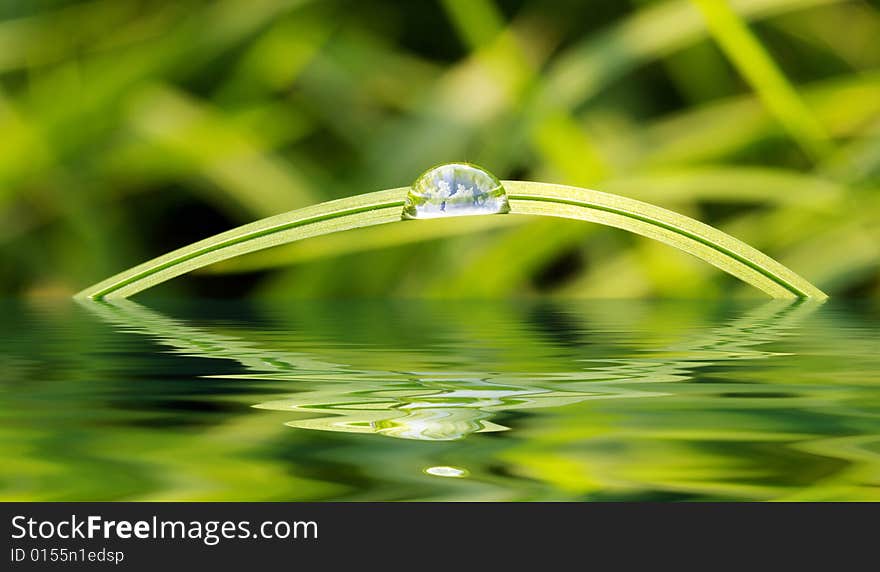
column 128, row 128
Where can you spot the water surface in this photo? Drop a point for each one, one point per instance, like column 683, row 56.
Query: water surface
column 207, row 400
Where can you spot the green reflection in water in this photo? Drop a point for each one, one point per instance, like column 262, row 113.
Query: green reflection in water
column 440, row 405
column 601, row 401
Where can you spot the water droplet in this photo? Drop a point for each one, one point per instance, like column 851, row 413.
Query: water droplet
column 446, row 472
column 455, row 189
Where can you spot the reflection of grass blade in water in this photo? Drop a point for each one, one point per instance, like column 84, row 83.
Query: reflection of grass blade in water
column 441, row 405
column 200, row 342
column 405, row 405
column 684, row 233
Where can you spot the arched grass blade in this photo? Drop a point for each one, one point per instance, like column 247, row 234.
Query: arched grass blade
column 325, row 218
column 542, row 199
column 701, row 240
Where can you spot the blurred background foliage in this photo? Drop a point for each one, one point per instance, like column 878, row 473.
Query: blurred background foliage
column 129, row 127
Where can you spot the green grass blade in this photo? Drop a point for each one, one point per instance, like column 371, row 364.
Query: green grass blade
column 846, row 105
column 478, row 21
column 333, row 216
column 655, row 31
column 357, row 241
column 207, row 143
column 691, row 236
column 556, row 135
column 684, row 233
column 731, row 185
column 757, row 66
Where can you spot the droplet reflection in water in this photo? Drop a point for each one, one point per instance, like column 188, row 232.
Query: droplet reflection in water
column 446, row 472
column 455, row 189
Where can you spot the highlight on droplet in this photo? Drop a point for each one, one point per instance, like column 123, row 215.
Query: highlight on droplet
column 443, row 471
column 455, row 189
